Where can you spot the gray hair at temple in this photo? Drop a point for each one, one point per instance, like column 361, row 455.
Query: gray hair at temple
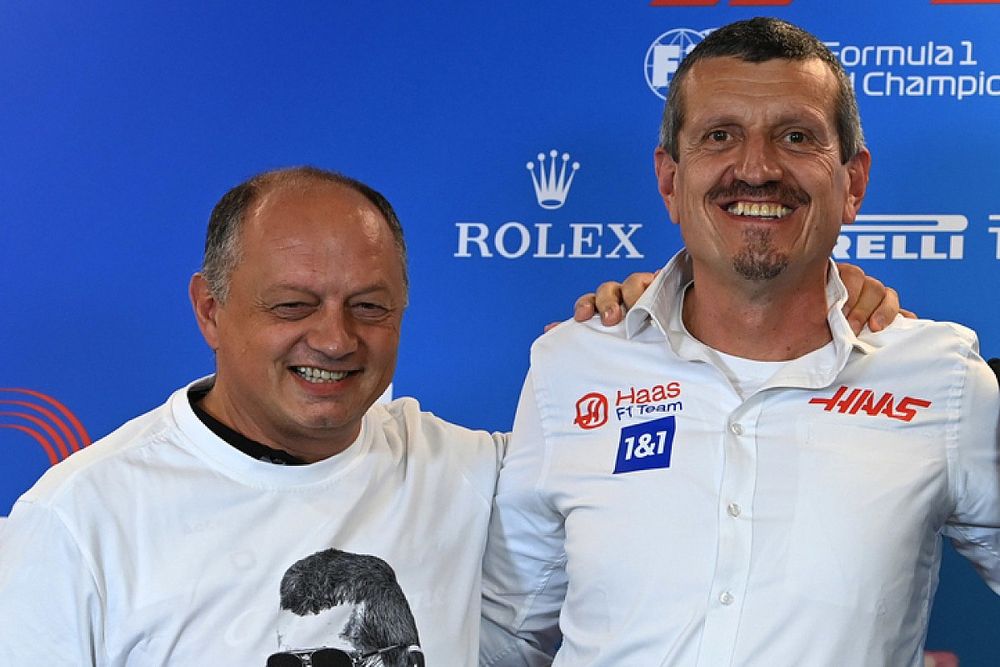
column 758, row 40
column 222, row 242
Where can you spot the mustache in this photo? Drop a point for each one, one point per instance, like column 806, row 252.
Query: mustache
column 786, row 194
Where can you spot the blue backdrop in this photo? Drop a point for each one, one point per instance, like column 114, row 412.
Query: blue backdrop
column 123, row 123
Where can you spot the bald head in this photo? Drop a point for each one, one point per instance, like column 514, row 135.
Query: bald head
column 225, row 225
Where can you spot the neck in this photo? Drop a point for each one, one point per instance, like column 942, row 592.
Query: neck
column 307, row 450
column 775, row 320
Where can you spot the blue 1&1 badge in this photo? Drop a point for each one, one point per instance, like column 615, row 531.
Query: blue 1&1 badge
column 646, row 446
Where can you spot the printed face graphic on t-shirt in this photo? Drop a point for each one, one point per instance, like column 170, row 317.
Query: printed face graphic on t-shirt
column 335, row 599
column 325, row 629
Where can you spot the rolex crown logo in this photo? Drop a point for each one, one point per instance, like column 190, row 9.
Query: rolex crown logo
column 552, row 185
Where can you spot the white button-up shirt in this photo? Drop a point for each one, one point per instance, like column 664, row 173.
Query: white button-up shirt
column 650, row 513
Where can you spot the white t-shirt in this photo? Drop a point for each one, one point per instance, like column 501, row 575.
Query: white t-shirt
column 162, row 544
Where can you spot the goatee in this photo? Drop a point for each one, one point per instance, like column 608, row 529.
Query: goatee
column 758, row 260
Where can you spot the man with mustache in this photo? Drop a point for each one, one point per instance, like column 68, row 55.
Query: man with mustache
column 732, row 476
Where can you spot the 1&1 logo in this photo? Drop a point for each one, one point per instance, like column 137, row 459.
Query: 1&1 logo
column 646, row 446
column 665, row 54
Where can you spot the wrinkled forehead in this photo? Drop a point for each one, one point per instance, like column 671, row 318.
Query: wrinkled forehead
column 307, row 194
column 318, row 214
column 729, row 83
column 774, row 73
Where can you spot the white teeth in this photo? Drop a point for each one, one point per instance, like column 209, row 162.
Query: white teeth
column 759, row 209
column 310, row 374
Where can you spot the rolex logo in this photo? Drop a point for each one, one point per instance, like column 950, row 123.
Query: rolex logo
column 552, row 185
column 552, row 175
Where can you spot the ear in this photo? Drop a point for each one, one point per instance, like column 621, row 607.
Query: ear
column 666, row 171
column 206, row 309
column 857, row 174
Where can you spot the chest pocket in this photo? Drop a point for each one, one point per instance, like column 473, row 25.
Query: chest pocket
column 868, row 504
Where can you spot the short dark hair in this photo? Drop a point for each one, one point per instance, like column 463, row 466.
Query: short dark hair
column 758, row 40
column 333, row 577
column 222, row 242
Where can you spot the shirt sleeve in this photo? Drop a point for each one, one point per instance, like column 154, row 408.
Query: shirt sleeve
column 974, row 526
column 524, row 569
column 48, row 598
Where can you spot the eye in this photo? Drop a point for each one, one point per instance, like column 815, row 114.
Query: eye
column 368, row 310
column 796, row 137
column 292, row 310
column 719, row 136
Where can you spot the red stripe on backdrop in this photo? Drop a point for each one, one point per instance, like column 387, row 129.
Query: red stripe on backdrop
column 74, row 442
column 37, row 436
column 51, row 432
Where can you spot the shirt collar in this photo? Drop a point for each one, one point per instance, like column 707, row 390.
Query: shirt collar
column 660, row 306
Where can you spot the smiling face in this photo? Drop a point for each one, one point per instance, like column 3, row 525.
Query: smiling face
column 306, row 339
column 759, row 189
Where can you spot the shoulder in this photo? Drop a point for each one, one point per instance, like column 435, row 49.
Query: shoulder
column 571, row 343
column 572, row 331
column 405, row 416
column 437, row 443
column 941, row 334
column 934, row 344
column 99, row 462
column 939, row 355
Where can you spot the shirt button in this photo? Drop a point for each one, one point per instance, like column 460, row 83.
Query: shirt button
column 726, row 598
column 733, row 509
column 736, row 428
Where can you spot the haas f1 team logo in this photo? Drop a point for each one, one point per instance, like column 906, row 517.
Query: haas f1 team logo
column 592, row 411
column 854, row 401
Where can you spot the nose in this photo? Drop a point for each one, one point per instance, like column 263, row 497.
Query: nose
column 332, row 332
column 757, row 161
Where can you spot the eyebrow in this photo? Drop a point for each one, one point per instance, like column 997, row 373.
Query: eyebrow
column 808, row 117
column 809, row 120
column 371, row 288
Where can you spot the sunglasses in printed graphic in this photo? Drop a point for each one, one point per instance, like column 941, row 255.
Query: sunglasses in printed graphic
column 335, row 657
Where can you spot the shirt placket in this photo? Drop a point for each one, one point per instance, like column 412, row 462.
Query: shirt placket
column 735, row 531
